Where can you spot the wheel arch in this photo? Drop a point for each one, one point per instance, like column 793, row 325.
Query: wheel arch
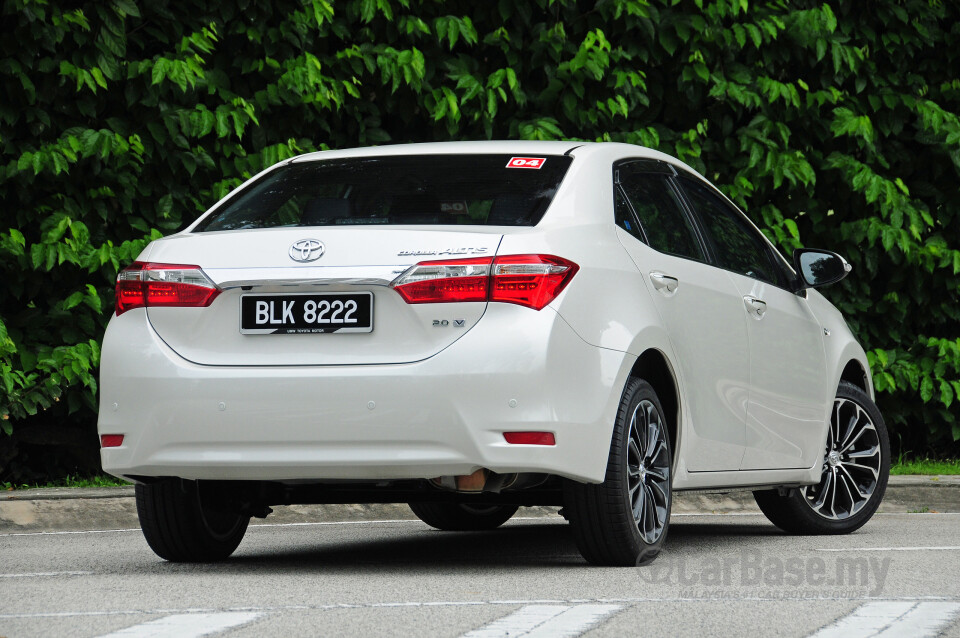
column 653, row 367
column 846, row 361
column 853, row 372
column 850, row 365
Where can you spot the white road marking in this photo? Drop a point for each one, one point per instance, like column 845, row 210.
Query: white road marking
column 79, row 531
column 573, row 622
column 315, row 523
column 760, row 514
column 43, row 574
column 891, row 549
column 546, row 519
column 724, row 514
column 259, row 525
column 467, row 603
column 252, row 526
column 185, row 625
column 926, row 619
column 545, row 621
column 518, row 623
column 899, row 619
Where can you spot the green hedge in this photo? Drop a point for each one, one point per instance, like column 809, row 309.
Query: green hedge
column 831, row 124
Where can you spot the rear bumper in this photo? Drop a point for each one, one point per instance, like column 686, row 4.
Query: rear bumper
column 516, row 370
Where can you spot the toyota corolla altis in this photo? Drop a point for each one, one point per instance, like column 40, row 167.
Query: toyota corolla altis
column 473, row 327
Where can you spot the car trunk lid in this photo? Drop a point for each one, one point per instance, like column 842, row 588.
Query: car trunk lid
column 356, row 263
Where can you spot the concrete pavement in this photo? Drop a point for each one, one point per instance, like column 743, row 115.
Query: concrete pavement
column 727, row 574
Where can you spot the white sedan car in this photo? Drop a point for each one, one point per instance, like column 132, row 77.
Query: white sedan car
column 471, row 327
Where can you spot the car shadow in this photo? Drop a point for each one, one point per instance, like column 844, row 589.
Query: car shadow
column 416, row 548
column 421, row 548
column 723, row 530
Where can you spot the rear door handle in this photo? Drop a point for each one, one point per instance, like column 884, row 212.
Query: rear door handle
column 666, row 284
column 756, row 307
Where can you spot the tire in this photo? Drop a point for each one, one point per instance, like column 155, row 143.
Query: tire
column 180, row 529
column 831, row 506
column 624, row 520
column 463, row 517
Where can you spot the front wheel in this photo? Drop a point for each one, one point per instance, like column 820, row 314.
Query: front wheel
column 463, row 517
column 853, row 479
column 623, row 521
column 181, row 527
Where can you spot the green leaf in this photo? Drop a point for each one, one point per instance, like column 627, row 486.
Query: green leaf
column 165, row 206
column 368, row 9
column 669, row 41
column 159, row 71
column 73, row 301
column 792, row 228
column 946, row 393
column 126, row 7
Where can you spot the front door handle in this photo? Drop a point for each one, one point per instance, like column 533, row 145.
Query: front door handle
column 756, row 307
column 665, row 284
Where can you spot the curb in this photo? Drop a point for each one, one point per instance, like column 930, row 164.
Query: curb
column 99, row 508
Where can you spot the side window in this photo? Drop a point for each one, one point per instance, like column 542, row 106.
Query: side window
column 661, row 215
column 738, row 245
column 624, row 218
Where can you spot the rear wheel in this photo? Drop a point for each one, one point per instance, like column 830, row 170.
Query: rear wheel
column 623, row 521
column 180, row 527
column 463, row 517
column 856, row 466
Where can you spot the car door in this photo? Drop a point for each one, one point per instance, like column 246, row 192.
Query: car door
column 788, row 381
column 700, row 309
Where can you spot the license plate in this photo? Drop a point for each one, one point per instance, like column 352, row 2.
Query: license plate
column 306, row 313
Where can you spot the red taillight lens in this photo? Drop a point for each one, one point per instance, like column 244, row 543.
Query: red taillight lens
column 445, row 281
column 111, row 440
column 530, row 438
column 146, row 284
column 528, row 280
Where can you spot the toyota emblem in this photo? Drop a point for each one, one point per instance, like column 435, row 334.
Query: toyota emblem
column 306, row 250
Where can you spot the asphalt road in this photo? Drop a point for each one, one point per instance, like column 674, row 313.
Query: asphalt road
column 729, row 575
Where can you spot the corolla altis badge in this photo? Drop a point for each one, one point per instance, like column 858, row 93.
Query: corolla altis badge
column 304, row 250
column 446, row 251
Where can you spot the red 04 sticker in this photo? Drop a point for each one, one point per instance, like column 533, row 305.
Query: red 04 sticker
column 526, row 162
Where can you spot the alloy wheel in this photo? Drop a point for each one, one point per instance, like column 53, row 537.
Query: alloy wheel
column 851, row 464
column 648, row 471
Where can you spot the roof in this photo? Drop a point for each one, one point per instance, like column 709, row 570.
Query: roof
column 446, row 148
column 606, row 150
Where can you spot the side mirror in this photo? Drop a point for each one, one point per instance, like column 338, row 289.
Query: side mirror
column 819, row 267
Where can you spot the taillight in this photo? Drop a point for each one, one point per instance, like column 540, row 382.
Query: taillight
column 146, row 284
column 528, row 280
column 444, row 281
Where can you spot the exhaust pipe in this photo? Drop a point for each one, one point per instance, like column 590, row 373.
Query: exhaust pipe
column 483, row 480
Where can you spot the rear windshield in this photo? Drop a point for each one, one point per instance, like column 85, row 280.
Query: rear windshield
column 485, row 190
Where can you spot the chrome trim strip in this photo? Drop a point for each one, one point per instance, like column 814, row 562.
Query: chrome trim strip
column 333, row 281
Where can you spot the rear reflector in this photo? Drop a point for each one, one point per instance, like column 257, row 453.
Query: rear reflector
column 145, row 285
column 111, row 440
column 527, row 280
column 530, row 438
